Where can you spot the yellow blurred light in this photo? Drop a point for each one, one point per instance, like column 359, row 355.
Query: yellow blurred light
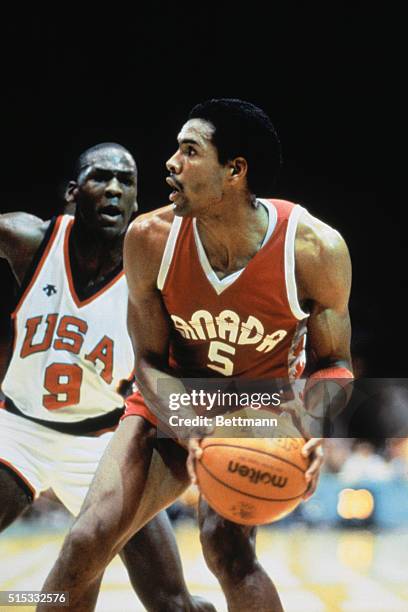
column 356, row 550
column 355, row 504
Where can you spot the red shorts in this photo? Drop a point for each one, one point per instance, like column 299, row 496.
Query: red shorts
column 135, row 405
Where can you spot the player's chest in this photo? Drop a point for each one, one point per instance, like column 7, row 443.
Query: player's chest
column 53, row 319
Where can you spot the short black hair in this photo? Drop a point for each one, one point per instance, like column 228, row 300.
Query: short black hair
column 244, row 130
column 82, row 161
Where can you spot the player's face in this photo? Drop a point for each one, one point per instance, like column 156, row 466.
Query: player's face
column 106, row 191
column 196, row 176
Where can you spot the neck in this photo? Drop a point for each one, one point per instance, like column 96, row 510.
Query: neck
column 92, row 256
column 233, row 236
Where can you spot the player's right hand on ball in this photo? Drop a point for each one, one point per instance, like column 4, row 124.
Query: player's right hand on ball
column 313, row 449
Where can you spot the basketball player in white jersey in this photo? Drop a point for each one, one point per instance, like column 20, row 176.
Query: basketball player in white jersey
column 230, row 283
column 71, row 355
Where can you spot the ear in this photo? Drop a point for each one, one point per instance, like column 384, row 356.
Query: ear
column 71, row 192
column 238, row 168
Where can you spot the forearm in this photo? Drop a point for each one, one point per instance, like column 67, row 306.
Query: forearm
column 326, row 394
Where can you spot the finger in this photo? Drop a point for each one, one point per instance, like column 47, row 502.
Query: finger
column 195, row 447
column 311, row 488
column 313, row 448
column 194, row 453
column 191, row 469
column 315, row 465
column 313, row 481
column 314, row 444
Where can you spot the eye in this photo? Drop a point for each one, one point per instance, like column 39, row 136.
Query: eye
column 100, row 176
column 126, row 179
column 188, row 150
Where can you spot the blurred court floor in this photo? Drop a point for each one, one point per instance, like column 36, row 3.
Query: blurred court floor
column 315, row 571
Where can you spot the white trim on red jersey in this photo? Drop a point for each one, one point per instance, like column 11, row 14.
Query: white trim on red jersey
column 168, row 252
column 290, row 275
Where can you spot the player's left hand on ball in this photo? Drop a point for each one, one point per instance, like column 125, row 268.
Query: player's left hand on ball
column 314, row 450
column 194, row 453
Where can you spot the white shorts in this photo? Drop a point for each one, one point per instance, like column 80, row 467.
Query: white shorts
column 45, row 458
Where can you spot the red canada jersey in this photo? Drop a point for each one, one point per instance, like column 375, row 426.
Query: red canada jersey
column 248, row 324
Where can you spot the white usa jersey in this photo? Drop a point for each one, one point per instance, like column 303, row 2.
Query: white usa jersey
column 69, row 354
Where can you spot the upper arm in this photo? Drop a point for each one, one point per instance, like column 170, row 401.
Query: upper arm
column 20, row 236
column 148, row 321
column 323, row 269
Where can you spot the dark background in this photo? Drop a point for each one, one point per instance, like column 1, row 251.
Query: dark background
column 327, row 76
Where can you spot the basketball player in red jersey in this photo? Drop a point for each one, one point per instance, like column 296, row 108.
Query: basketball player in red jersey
column 230, row 283
column 71, row 351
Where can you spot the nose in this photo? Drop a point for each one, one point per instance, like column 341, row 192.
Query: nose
column 113, row 188
column 173, row 164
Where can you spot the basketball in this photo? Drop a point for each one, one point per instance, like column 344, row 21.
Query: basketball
column 252, row 481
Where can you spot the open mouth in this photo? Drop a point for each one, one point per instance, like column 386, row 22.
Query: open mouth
column 177, row 188
column 110, row 211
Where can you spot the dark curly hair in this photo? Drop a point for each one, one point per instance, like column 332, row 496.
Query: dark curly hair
column 244, row 130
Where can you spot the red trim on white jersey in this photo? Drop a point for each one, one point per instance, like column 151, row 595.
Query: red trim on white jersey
column 39, row 266
column 78, row 302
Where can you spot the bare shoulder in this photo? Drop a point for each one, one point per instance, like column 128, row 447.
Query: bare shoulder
column 322, row 258
column 316, row 240
column 153, row 223
column 146, row 240
column 22, row 224
column 20, row 235
column 150, row 230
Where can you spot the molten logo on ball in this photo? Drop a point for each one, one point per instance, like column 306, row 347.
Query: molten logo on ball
column 253, row 481
column 256, row 475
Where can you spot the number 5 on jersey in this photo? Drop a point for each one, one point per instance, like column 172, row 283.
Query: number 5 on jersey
column 219, row 362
